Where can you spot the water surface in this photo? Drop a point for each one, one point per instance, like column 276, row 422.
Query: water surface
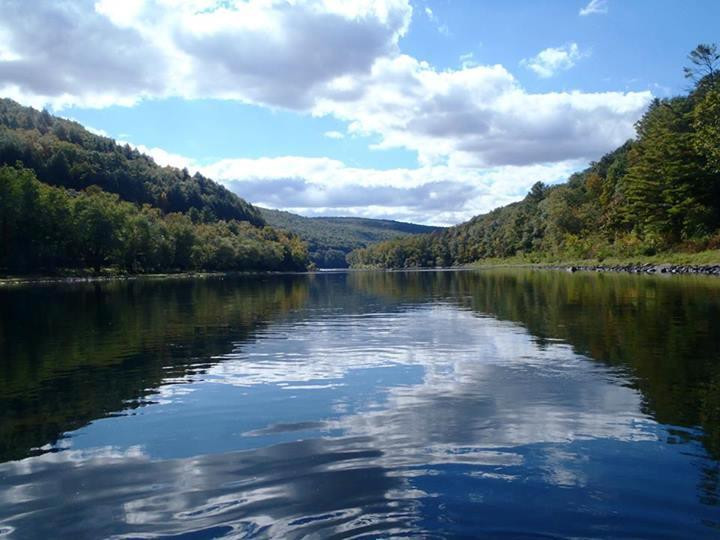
column 496, row 403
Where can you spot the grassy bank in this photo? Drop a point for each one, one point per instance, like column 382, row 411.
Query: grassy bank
column 701, row 258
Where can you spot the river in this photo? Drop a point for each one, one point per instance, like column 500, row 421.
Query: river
column 499, row 403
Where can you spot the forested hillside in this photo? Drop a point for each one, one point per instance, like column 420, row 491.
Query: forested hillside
column 330, row 239
column 63, row 153
column 73, row 201
column 656, row 193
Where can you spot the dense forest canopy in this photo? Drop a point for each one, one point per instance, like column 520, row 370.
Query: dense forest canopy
column 63, row 153
column 47, row 228
column 330, row 239
column 72, row 201
column 658, row 192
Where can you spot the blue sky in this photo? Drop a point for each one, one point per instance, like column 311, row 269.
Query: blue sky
column 430, row 111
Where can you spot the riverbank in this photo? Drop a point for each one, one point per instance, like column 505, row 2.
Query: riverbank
column 702, row 263
column 647, row 268
column 92, row 278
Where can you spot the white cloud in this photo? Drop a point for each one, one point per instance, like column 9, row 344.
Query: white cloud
column 481, row 139
column 478, row 116
column 440, row 195
column 264, row 51
column 322, row 57
column 595, row 7
column 334, row 135
column 553, row 59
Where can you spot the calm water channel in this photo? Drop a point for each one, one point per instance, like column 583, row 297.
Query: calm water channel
column 479, row 404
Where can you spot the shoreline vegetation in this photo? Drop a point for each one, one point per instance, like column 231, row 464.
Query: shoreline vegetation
column 706, row 263
column 72, row 201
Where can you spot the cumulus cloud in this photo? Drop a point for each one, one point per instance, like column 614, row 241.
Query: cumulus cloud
column 481, row 139
column 478, row 116
column 551, row 60
column 321, row 57
column 440, row 195
column 56, row 52
column 595, row 7
column 274, row 52
column 432, row 194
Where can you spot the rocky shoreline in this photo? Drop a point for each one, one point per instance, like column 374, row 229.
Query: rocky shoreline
column 647, row 268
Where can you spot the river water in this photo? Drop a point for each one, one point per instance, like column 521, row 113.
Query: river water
column 482, row 404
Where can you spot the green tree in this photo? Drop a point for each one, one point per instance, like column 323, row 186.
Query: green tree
column 99, row 223
column 667, row 185
column 706, row 121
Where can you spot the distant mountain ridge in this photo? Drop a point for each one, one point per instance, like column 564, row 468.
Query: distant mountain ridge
column 330, row 239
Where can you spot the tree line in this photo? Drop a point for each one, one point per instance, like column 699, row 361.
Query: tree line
column 45, row 228
column 656, row 193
